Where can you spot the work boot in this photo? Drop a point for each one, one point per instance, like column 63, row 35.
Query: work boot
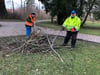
column 72, row 47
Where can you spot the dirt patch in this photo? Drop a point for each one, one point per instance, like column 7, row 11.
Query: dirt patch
column 9, row 43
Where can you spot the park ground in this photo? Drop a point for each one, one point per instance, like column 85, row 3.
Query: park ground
column 83, row 60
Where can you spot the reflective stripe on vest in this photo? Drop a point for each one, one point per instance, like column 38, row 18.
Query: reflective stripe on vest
column 32, row 19
column 28, row 23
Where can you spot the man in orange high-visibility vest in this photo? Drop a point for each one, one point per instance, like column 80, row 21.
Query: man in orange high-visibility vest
column 29, row 23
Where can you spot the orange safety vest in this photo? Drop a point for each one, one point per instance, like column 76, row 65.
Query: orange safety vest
column 28, row 23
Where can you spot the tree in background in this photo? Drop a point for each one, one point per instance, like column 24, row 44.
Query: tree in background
column 62, row 8
column 88, row 8
column 96, row 10
column 3, row 11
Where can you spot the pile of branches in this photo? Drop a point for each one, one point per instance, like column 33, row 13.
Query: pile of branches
column 38, row 43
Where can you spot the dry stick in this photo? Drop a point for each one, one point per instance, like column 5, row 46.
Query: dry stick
column 27, row 42
column 32, row 36
column 51, row 46
column 55, row 37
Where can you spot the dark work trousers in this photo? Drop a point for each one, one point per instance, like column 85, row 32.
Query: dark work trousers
column 73, row 36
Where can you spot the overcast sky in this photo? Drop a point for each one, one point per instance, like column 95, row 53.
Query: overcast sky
column 17, row 3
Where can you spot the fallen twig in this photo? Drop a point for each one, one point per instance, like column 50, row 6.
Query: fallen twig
column 51, row 46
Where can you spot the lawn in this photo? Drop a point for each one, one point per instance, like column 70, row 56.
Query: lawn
column 92, row 24
column 49, row 25
column 83, row 60
column 90, row 27
column 90, row 31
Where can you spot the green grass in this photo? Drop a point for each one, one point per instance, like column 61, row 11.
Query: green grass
column 50, row 25
column 90, row 31
column 83, row 60
column 89, row 28
column 92, row 24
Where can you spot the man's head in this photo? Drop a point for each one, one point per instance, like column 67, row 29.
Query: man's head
column 73, row 13
column 33, row 14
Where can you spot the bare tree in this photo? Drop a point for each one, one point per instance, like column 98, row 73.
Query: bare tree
column 3, row 10
column 13, row 6
column 90, row 7
column 21, row 3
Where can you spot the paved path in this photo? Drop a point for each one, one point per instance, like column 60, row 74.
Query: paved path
column 18, row 28
column 91, row 38
column 11, row 29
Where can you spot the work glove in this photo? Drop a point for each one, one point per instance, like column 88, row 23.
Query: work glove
column 73, row 30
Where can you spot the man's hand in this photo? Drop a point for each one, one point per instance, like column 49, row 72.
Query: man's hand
column 73, row 29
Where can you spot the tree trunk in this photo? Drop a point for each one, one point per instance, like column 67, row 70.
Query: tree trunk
column 3, row 11
column 60, row 18
column 88, row 13
column 81, row 8
column 13, row 7
column 21, row 4
column 51, row 19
